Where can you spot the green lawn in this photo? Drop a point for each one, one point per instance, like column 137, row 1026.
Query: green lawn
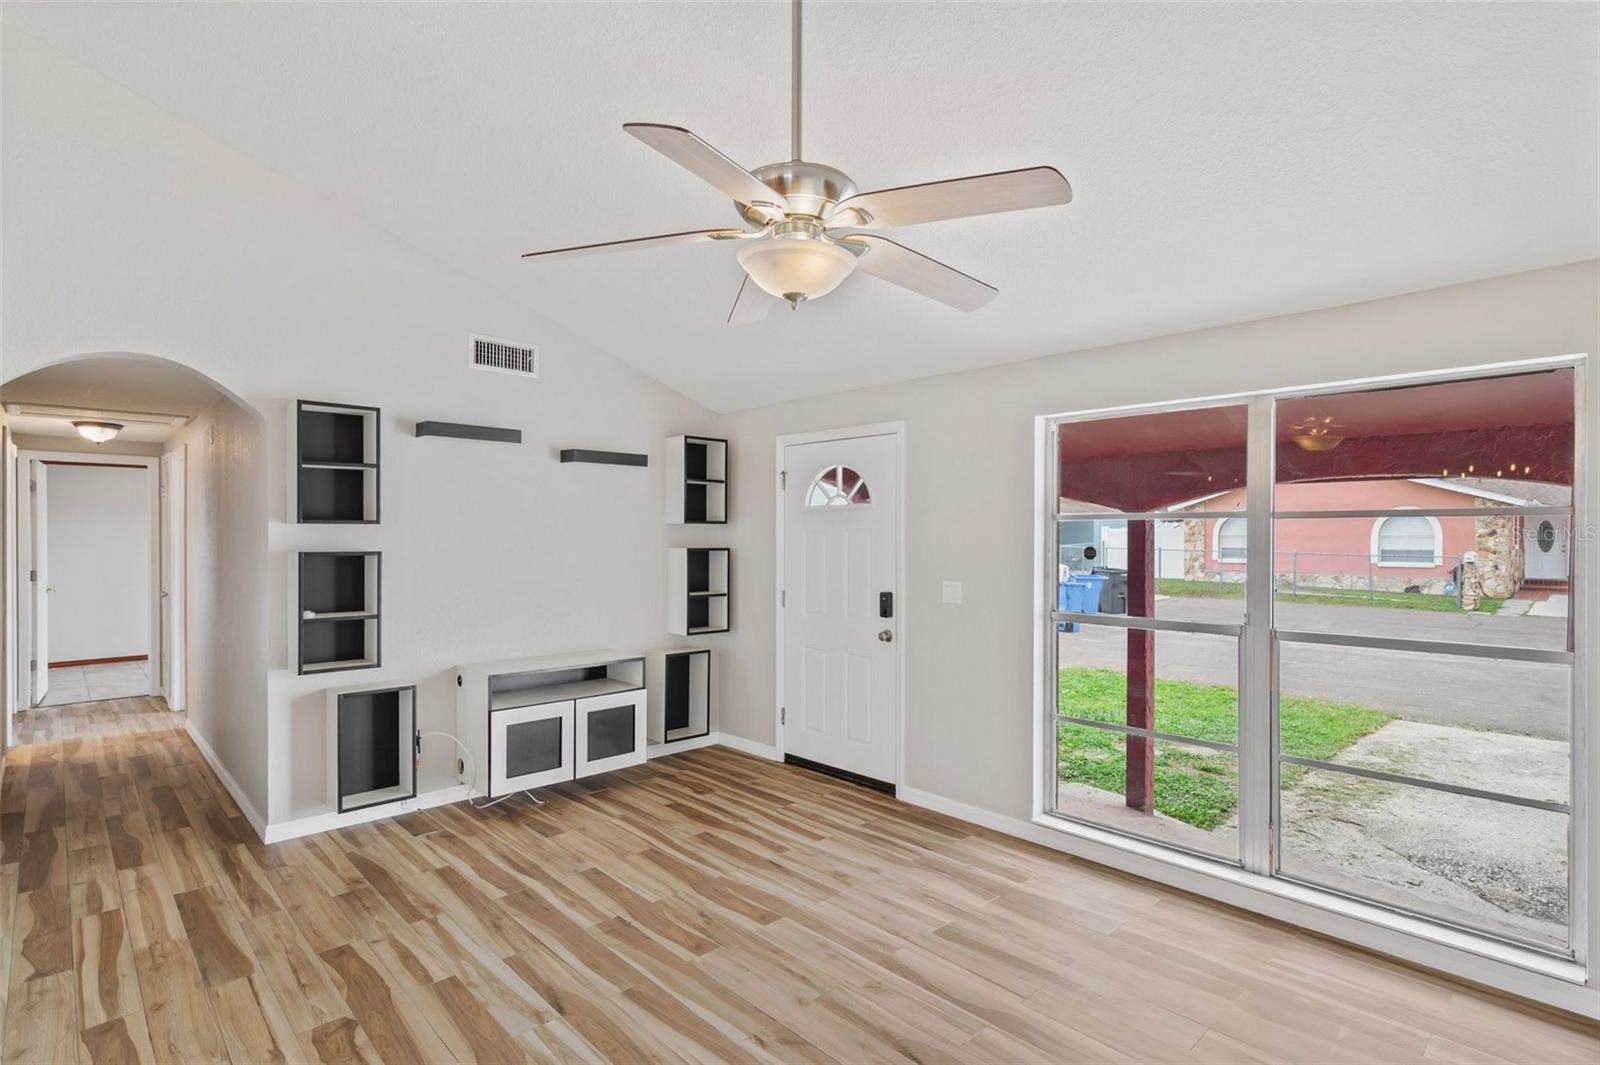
column 1182, row 588
column 1193, row 784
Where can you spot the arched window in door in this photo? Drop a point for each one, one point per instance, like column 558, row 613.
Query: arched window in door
column 838, row 486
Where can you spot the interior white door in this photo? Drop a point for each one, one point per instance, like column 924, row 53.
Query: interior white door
column 12, row 648
column 38, row 492
column 840, row 651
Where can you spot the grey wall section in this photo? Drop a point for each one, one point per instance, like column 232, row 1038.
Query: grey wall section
column 225, row 576
column 971, row 492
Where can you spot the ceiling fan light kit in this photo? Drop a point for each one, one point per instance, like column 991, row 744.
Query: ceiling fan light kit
column 803, row 244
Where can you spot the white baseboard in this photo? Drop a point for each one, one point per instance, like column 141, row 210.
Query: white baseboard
column 240, row 799
column 1515, row 970
column 329, row 820
column 739, row 743
column 661, row 750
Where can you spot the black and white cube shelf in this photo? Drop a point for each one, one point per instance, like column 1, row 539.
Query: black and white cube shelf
column 372, row 743
column 336, row 460
column 697, row 589
column 697, row 480
column 339, row 622
column 680, row 693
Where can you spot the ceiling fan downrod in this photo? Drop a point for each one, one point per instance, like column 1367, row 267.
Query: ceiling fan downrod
column 794, row 82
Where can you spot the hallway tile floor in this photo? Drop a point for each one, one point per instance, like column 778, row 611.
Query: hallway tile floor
column 110, row 680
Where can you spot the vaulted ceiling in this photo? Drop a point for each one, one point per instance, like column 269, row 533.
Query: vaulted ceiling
column 1229, row 161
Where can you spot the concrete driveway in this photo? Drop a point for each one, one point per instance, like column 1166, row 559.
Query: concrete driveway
column 1521, row 697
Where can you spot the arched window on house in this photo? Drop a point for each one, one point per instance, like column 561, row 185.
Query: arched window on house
column 1231, row 544
column 1408, row 540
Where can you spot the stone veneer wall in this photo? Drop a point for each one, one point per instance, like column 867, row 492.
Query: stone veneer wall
column 1498, row 540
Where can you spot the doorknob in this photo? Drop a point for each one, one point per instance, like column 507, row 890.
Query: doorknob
column 886, row 636
column 49, row 587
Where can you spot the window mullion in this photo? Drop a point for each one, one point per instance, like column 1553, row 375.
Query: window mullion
column 1257, row 763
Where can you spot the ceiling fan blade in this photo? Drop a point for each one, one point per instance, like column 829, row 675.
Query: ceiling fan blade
column 935, row 201
column 693, row 236
column 707, row 164
column 899, row 265
column 750, row 305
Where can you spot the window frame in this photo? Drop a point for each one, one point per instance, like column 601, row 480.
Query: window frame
column 1400, row 512
column 1258, row 648
column 1216, row 542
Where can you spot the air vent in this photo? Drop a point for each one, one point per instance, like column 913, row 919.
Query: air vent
column 490, row 353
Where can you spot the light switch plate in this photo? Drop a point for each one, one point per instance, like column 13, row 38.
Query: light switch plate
column 951, row 592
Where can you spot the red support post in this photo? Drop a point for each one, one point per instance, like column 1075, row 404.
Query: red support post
column 1139, row 788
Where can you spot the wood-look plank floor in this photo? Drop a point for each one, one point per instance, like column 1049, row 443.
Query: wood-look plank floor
column 706, row 907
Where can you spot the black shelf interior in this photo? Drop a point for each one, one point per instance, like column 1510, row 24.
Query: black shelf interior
column 337, row 480
column 339, row 583
column 376, row 731
column 678, row 689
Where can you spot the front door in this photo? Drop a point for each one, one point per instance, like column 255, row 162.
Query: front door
column 841, row 604
column 1546, row 549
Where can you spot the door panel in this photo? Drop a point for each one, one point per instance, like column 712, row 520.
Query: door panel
column 841, row 530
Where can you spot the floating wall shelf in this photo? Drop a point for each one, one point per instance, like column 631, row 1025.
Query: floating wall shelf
column 604, row 458
column 372, row 741
column 697, row 590
column 338, row 620
column 336, row 456
column 458, row 431
column 697, row 480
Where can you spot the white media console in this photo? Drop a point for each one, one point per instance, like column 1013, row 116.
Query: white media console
column 532, row 722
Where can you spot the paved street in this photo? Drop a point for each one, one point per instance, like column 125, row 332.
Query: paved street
column 1517, row 697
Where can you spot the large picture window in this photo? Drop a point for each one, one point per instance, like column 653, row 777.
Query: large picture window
column 1327, row 638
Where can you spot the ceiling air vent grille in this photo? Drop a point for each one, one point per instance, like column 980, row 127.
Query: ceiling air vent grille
column 502, row 356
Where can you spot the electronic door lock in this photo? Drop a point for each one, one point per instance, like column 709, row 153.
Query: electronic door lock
column 886, row 604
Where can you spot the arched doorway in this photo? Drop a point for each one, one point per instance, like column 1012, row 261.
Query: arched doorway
column 87, row 623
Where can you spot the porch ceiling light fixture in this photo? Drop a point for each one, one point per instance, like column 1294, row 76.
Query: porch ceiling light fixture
column 97, row 432
column 1318, row 435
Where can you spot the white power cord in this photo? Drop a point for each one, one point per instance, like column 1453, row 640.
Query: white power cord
column 473, row 776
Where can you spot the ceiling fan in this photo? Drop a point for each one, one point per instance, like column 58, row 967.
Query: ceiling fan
column 803, row 220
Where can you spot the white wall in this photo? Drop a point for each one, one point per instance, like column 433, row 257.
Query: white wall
column 225, row 575
column 174, row 245
column 99, row 528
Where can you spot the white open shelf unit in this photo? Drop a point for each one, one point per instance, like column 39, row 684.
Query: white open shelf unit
column 533, row 722
column 372, row 737
column 697, row 480
column 698, row 590
column 336, row 464
column 680, row 693
column 337, row 620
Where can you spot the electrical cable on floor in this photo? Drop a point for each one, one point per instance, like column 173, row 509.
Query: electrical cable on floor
column 473, row 781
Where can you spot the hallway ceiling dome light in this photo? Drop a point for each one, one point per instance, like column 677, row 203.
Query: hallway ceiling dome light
column 97, row 432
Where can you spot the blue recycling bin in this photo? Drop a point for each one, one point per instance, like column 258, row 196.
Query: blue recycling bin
column 1096, row 585
column 1072, row 595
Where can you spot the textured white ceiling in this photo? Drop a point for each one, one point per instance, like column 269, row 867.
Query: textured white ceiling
column 1229, row 161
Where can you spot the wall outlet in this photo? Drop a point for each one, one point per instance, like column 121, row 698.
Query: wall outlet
column 951, row 592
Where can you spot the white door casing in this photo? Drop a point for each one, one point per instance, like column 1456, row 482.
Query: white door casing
column 39, row 541
column 841, row 659
column 173, row 502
